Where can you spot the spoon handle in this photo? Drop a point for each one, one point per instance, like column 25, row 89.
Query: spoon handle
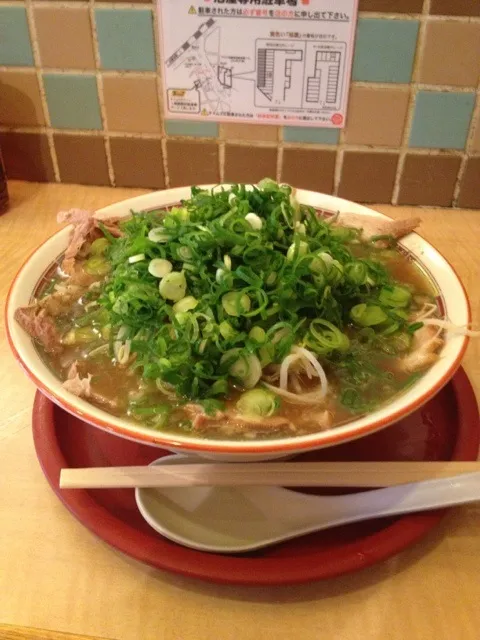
column 407, row 498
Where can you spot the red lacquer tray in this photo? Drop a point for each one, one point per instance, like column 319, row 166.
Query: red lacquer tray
column 447, row 428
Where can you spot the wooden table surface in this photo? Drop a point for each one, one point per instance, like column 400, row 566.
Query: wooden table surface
column 56, row 578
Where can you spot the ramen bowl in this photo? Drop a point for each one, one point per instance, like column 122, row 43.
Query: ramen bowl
column 451, row 297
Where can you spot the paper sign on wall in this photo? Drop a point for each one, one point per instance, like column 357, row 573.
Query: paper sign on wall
column 258, row 61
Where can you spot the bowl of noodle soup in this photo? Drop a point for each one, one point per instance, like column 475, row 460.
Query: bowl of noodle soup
column 238, row 322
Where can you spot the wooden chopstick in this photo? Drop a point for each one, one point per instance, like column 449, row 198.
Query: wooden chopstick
column 287, row 474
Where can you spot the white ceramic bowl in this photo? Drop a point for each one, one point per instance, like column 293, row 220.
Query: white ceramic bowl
column 450, row 291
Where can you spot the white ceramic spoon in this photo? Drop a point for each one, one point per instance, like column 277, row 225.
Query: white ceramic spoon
column 239, row 519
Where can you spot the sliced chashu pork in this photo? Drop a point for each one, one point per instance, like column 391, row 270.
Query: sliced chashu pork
column 81, row 387
column 86, row 228
column 37, row 319
column 76, row 384
column 230, row 422
column 40, row 325
column 425, row 345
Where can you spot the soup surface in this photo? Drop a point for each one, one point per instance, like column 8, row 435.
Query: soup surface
column 239, row 313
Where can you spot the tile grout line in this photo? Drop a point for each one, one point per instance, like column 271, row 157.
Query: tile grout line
column 73, row 4
column 280, row 151
column 337, row 173
column 318, row 146
column 422, row 86
column 474, row 123
column 471, row 133
column 411, row 101
column 126, row 73
column 47, row 3
column 120, row 5
column 222, row 153
column 374, row 15
column 29, row 10
column 449, row 18
column 381, row 15
column 423, row 151
column 166, row 173
column 159, row 87
column 221, row 160
column 450, row 88
column 101, row 98
column 82, row 72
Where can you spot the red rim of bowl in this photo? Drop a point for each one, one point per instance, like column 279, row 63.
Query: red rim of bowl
column 241, row 570
column 212, row 446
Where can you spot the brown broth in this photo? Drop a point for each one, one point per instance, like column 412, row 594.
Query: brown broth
column 115, row 387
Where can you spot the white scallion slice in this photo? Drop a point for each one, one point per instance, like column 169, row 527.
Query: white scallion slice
column 294, row 203
column 122, row 351
column 322, row 263
column 248, row 370
column 181, row 317
column 122, row 332
column 294, row 252
column 326, row 257
column 219, row 274
column 227, row 331
column 254, row 221
column 257, row 402
column 219, row 188
column 267, row 184
column 159, row 267
column 184, row 253
column 179, row 212
column 235, row 303
column 258, row 334
column 231, row 198
column 227, row 261
column 173, row 286
column 245, row 368
column 271, row 278
column 158, row 235
column 138, row 258
column 185, row 304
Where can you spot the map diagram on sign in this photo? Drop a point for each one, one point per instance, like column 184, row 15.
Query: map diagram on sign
column 216, row 71
column 299, row 74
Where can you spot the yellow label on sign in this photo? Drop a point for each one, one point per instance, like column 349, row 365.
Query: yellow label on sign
column 204, row 112
column 192, row 11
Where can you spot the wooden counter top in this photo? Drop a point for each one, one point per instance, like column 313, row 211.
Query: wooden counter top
column 54, row 575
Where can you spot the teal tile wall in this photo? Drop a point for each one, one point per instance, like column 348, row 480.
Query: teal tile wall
column 15, row 47
column 125, row 39
column 384, row 50
column 441, row 127
column 311, row 135
column 191, row 128
column 441, row 120
column 72, row 101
